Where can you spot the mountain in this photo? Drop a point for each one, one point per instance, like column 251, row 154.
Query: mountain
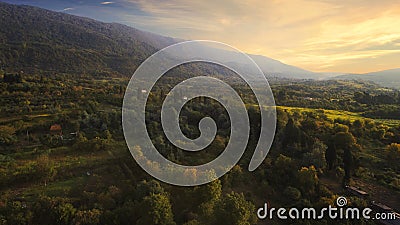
column 386, row 78
column 34, row 39
column 272, row 67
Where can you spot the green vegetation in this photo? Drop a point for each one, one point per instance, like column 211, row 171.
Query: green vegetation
column 386, row 78
column 89, row 177
column 64, row 160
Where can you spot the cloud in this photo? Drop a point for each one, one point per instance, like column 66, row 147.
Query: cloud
column 315, row 34
column 68, row 9
column 107, row 3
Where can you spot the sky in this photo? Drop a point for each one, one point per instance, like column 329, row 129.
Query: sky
column 352, row 36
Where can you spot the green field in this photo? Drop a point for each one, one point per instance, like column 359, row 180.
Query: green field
column 341, row 114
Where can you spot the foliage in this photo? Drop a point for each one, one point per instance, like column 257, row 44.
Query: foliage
column 326, row 131
column 233, row 209
column 155, row 209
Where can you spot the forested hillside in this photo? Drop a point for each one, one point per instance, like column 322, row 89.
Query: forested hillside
column 34, row 39
column 387, row 78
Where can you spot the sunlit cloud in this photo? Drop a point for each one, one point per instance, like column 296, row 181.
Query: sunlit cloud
column 107, row 3
column 67, row 9
column 317, row 35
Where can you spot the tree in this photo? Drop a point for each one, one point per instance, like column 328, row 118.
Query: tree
column 307, row 181
column 347, row 143
column 156, row 209
column 206, row 198
column 331, row 155
column 7, row 135
column 393, row 153
column 317, row 155
column 146, row 188
column 45, row 169
column 234, row 209
column 292, row 133
column 107, row 135
column 283, row 171
column 47, row 210
column 357, row 128
column 394, row 148
column 209, row 192
column 341, row 128
column 87, row 217
column 292, row 193
column 234, row 177
column 126, row 214
column 15, row 213
column 66, row 213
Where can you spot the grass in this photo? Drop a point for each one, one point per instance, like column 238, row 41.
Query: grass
column 71, row 171
column 389, row 122
column 343, row 115
column 56, row 188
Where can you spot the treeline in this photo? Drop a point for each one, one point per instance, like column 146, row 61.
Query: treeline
column 354, row 96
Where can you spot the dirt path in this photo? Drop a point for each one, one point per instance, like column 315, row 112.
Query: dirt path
column 380, row 193
column 376, row 192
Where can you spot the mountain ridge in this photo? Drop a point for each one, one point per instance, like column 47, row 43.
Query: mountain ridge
column 37, row 39
column 44, row 40
column 387, row 78
column 40, row 40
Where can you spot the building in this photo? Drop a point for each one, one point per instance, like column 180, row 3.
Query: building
column 56, row 129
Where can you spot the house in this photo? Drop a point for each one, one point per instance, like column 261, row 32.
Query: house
column 56, row 129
